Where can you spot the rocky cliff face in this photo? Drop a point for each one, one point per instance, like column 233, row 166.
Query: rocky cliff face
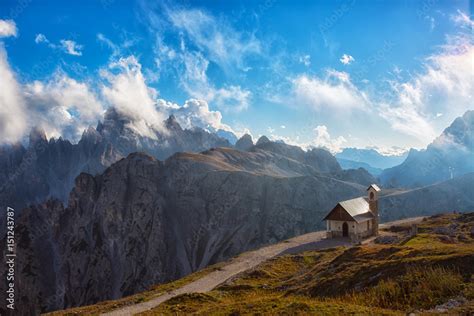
column 449, row 156
column 144, row 221
column 47, row 169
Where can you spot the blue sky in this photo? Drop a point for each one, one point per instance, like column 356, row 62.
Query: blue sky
column 384, row 74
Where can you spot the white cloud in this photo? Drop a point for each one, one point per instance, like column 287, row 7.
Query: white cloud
column 128, row 92
column 222, row 44
column 196, row 83
column 462, row 19
column 346, row 59
column 62, row 106
column 8, row 28
column 67, row 46
column 335, row 91
column 406, row 119
column 323, row 139
column 41, row 38
column 443, row 87
column 305, row 60
column 232, row 98
column 12, row 108
column 71, row 47
column 104, row 40
column 196, row 113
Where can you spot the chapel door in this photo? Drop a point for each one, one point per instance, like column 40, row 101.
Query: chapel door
column 345, row 230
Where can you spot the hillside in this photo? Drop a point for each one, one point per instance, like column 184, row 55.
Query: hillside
column 429, row 273
column 451, row 195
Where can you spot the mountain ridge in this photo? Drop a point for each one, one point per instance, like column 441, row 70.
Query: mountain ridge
column 448, row 156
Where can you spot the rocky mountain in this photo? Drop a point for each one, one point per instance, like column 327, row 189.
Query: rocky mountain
column 48, row 168
column 350, row 164
column 369, row 157
column 448, row 196
column 318, row 158
column 227, row 135
column 244, row 143
column 448, row 156
column 144, row 221
column 262, row 140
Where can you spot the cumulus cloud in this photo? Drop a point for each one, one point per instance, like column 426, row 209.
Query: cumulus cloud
column 128, row 92
column 8, row 28
column 62, row 106
column 346, row 59
column 12, row 108
column 71, row 47
column 335, row 91
column 196, row 113
column 323, row 139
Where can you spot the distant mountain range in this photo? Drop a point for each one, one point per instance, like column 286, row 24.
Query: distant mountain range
column 447, row 157
column 351, row 164
column 370, row 157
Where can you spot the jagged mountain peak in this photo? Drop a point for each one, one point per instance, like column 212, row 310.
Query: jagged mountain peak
column 460, row 132
column 262, row 140
column 172, row 124
column 244, row 143
column 37, row 134
column 448, row 156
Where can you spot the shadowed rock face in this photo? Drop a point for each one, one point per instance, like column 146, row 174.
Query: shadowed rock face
column 47, row 169
column 244, row 143
column 144, row 221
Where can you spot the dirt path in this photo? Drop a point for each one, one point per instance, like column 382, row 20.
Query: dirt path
column 246, row 261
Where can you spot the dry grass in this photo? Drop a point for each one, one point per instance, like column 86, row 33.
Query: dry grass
column 418, row 274
column 419, row 288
